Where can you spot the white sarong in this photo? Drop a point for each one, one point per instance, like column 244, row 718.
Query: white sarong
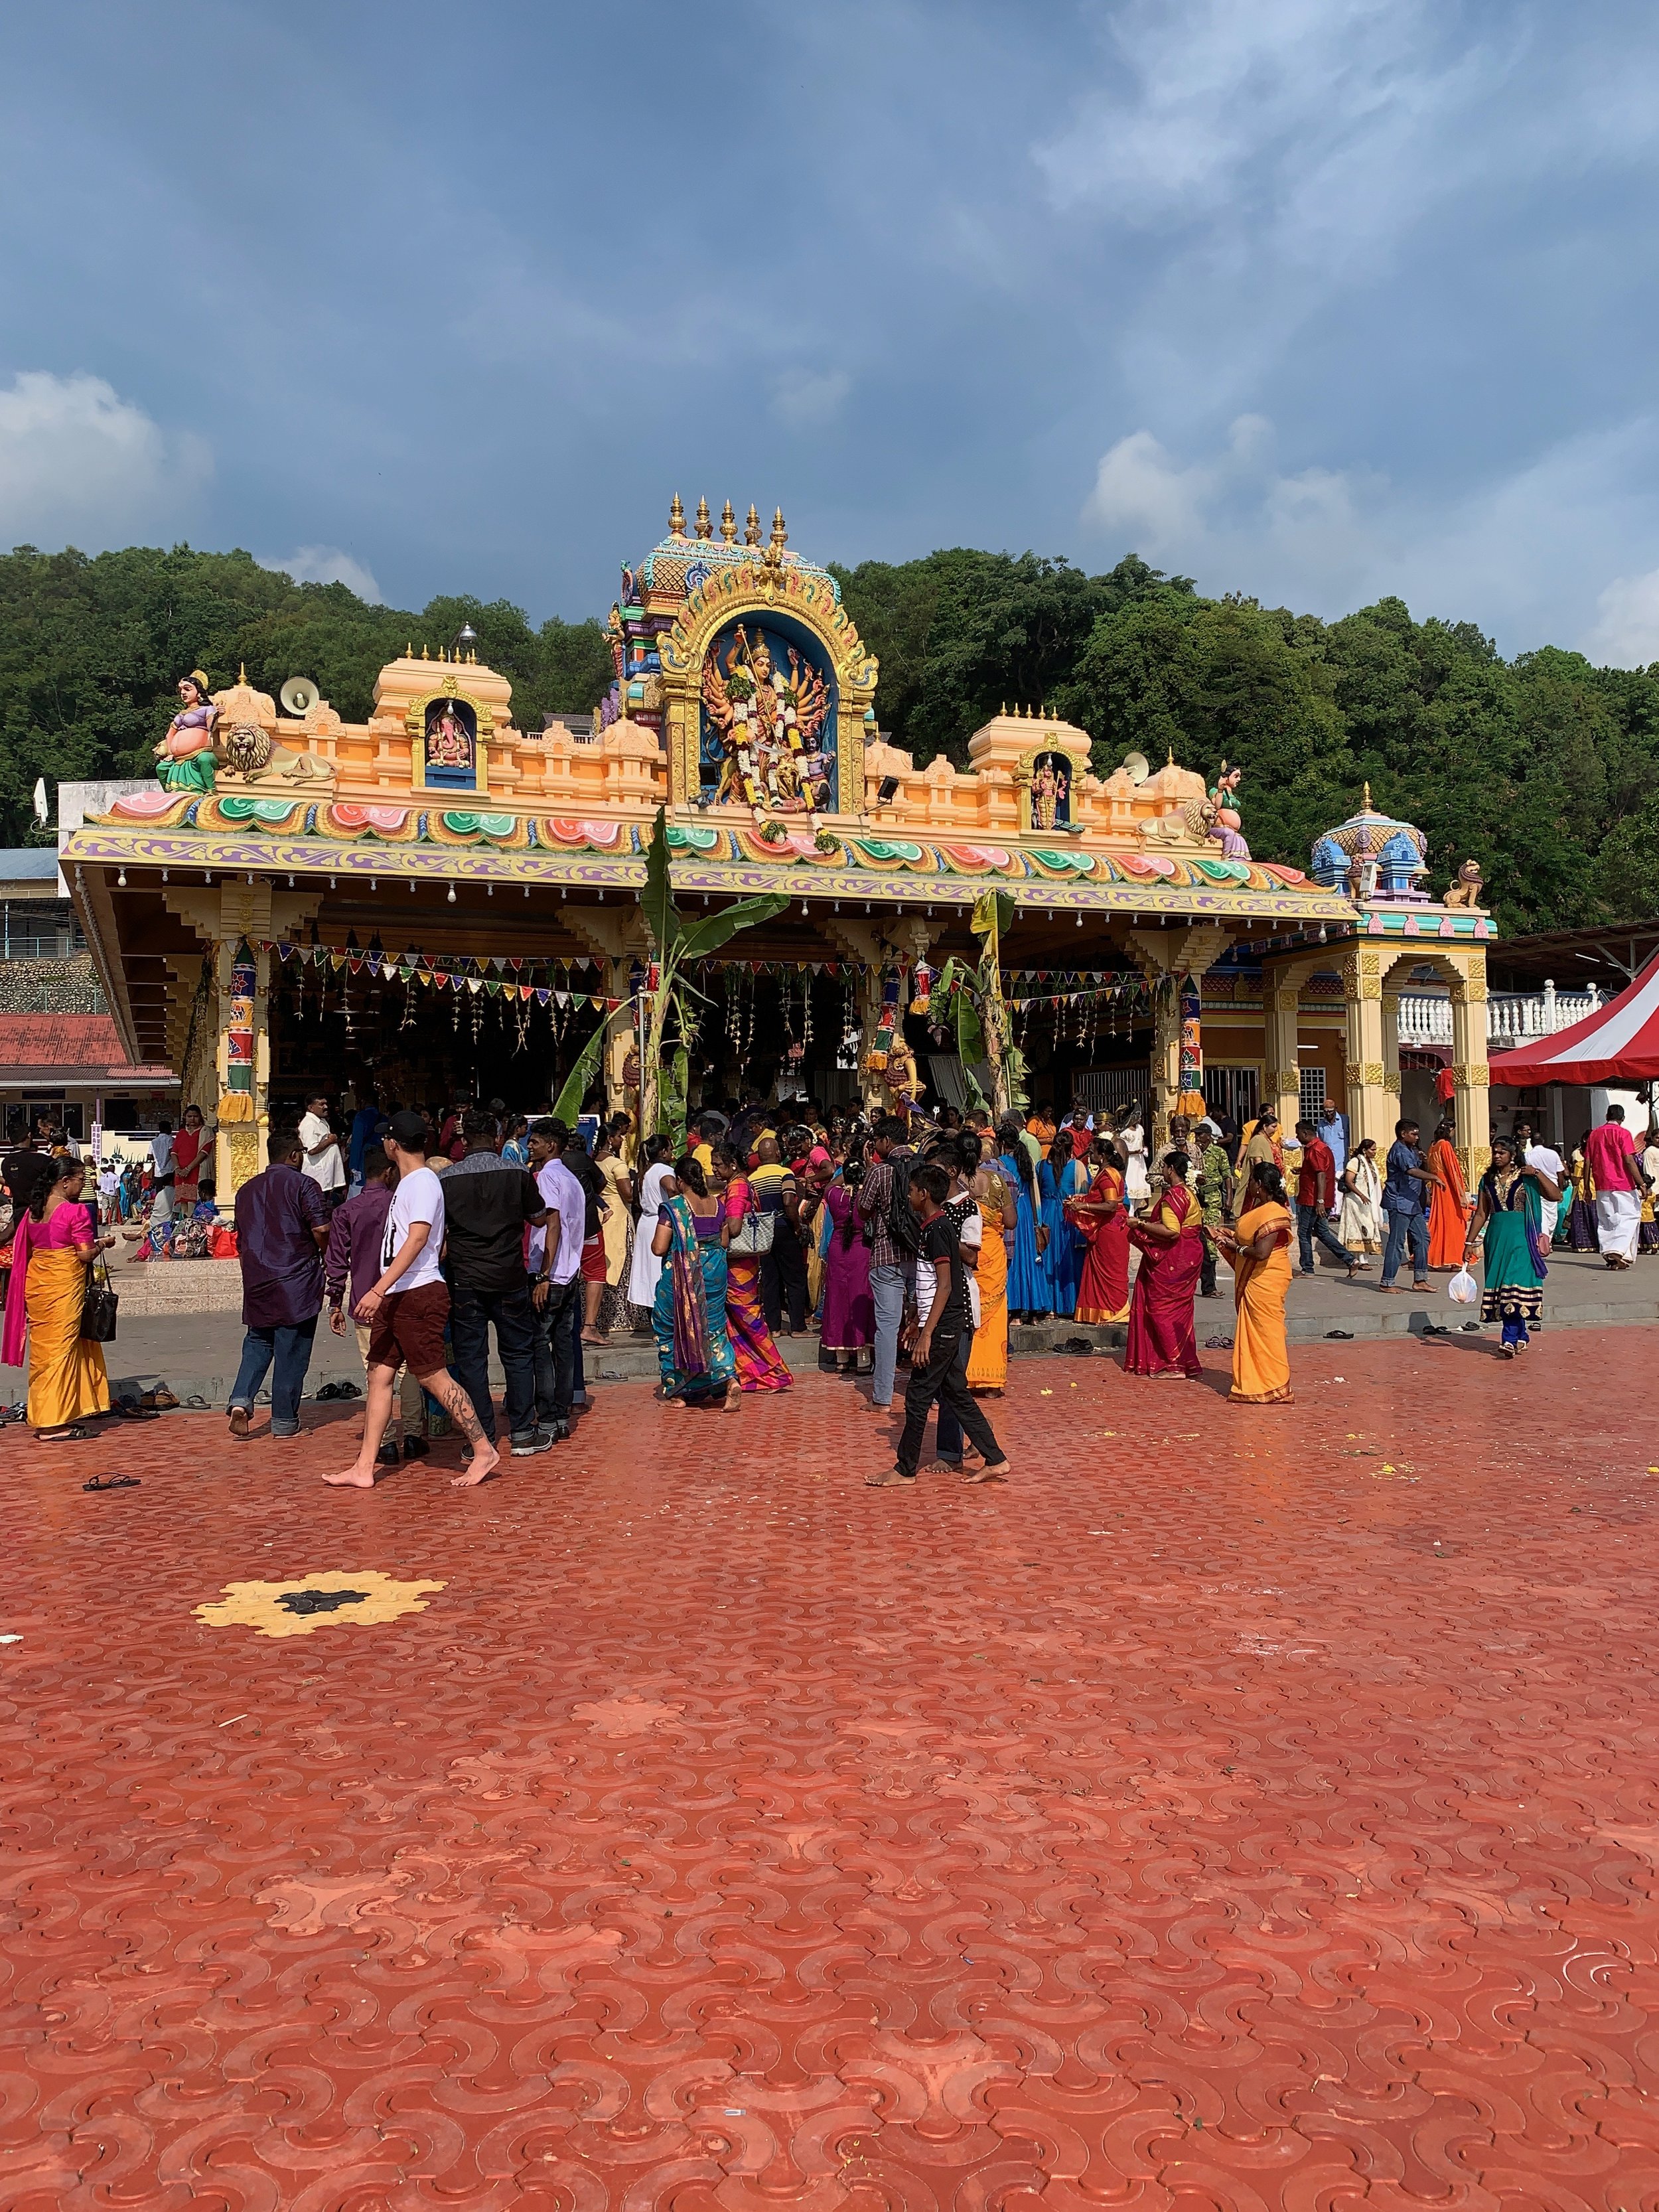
column 1619, row 1222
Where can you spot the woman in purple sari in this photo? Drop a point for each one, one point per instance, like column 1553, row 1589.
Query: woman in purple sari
column 849, row 1312
column 1169, row 1238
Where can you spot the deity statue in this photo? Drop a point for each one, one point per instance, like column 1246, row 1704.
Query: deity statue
column 448, row 740
column 770, row 726
column 185, row 754
column 1225, row 827
column 1051, row 791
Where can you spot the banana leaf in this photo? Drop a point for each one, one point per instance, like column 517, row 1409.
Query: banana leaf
column 569, row 1104
column 970, row 1037
column 709, row 935
column 672, row 1095
column 661, row 916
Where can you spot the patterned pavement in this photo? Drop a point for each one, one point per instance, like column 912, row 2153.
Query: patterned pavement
column 1244, row 1807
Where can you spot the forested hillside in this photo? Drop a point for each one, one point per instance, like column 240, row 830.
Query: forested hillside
column 1544, row 768
column 90, row 651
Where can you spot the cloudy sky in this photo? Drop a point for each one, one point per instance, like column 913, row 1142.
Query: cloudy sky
column 1311, row 298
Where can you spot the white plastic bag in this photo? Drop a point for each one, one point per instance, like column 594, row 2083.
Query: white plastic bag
column 1463, row 1289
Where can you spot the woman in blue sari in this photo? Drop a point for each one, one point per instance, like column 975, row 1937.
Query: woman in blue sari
column 688, row 1316
column 1506, row 1223
column 1029, row 1295
column 1062, row 1178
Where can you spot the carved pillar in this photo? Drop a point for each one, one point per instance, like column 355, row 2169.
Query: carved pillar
column 1281, row 1081
column 1163, row 957
column 1470, row 1071
column 620, row 1041
column 863, row 944
column 618, row 940
column 1372, row 1111
column 228, row 915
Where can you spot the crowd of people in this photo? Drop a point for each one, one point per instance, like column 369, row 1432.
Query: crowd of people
column 911, row 1240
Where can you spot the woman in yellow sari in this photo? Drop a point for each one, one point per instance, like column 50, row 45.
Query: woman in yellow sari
column 1258, row 1248
column 987, row 1358
column 55, row 1246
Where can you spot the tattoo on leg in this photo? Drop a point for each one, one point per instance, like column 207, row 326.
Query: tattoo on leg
column 461, row 1408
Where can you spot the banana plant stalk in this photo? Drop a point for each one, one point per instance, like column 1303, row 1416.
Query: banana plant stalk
column 677, row 945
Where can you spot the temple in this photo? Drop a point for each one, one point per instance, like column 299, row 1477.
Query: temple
column 442, row 903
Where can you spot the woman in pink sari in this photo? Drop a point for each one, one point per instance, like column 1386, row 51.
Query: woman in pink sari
column 1169, row 1238
column 55, row 1246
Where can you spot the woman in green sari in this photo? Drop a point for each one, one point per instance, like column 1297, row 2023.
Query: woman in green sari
column 688, row 1318
column 1506, row 1223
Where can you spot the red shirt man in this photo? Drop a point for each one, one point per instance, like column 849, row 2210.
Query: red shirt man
column 1316, row 1181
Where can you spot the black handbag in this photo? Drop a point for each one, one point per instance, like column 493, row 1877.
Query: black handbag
column 98, row 1313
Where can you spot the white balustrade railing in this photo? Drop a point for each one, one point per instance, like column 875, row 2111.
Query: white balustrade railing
column 1512, row 1017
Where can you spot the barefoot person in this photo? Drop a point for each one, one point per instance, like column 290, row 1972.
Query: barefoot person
column 938, row 1359
column 407, row 1309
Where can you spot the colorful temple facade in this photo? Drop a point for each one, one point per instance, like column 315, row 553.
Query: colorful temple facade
column 436, row 899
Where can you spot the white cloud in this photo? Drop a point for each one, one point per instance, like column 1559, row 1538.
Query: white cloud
column 1625, row 632
column 1520, row 553
column 329, row 564
column 1178, row 514
column 1305, row 116
column 80, row 465
column 806, row 398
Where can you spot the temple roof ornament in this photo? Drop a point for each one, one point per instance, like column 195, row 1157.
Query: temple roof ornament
column 1373, row 856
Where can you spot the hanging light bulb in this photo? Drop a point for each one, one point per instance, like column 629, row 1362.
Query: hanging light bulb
column 452, row 893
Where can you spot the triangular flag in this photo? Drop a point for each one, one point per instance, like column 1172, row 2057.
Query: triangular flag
column 544, row 996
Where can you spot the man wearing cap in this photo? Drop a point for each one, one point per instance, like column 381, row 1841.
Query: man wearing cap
column 408, row 1309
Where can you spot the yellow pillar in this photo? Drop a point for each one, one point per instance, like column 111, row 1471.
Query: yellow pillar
column 1372, row 1111
column 1470, row 1071
column 1281, row 1085
column 228, row 914
column 1164, row 957
column 620, row 1042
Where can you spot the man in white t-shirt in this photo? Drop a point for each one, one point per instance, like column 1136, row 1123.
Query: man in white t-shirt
column 1539, row 1156
column 323, row 1162
column 556, row 1290
column 408, row 1310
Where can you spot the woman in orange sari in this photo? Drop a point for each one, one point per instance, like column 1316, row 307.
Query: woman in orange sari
column 1448, row 1211
column 1102, row 1221
column 1169, row 1239
column 988, row 1358
column 1259, row 1249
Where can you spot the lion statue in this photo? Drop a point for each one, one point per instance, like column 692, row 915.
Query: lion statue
column 1466, row 891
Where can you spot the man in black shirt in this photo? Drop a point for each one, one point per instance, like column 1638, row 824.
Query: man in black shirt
column 487, row 1203
column 936, row 1357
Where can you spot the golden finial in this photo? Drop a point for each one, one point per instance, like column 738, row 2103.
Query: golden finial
column 1003, row 708
column 705, row 527
column 1365, row 805
column 728, row 524
column 241, row 672
column 676, row 518
column 409, row 649
column 751, row 528
column 425, row 655
column 780, row 535
column 1171, row 762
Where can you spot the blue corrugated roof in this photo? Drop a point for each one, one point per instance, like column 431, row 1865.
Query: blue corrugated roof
column 28, row 863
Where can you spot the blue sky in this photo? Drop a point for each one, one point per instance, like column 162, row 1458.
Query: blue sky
column 1313, row 301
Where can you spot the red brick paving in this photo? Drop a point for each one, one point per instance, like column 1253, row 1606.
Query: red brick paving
column 1247, row 1808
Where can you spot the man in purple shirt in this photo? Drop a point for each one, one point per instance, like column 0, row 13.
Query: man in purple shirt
column 281, row 1226
column 352, row 1265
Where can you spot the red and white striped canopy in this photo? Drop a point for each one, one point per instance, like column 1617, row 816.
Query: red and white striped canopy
column 1618, row 1044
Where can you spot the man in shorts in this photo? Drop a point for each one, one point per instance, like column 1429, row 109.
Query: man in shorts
column 408, row 1309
